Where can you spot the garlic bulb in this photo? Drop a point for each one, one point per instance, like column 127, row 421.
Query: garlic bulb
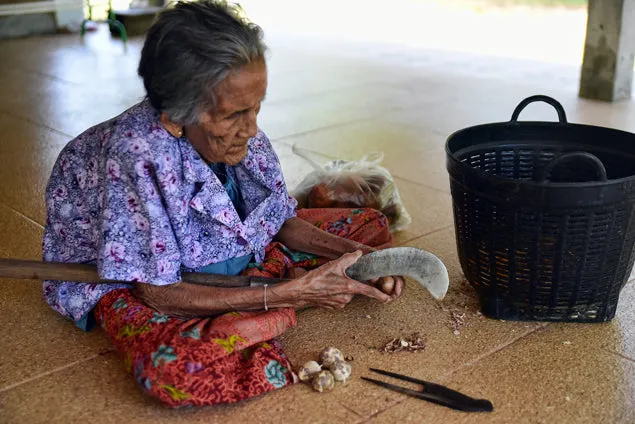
column 341, row 370
column 329, row 355
column 308, row 369
column 323, row 381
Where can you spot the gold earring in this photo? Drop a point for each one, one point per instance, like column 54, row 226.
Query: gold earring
column 179, row 133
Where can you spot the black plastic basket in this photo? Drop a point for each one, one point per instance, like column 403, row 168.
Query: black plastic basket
column 544, row 216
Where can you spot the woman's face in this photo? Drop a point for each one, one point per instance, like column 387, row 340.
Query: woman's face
column 222, row 133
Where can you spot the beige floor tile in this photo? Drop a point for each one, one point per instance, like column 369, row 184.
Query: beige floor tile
column 476, row 106
column 551, row 375
column 28, row 51
column 299, row 116
column 617, row 116
column 322, row 77
column 488, row 102
column 66, row 107
column 354, row 140
column 286, row 57
column 64, row 55
column 91, row 62
column 96, row 62
column 21, row 237
column 429, row 209
column 35, row 339
column 428, row 169
column 28, row 153
column 281, row 119
column 100, row 391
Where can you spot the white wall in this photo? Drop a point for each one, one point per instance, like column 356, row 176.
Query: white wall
column 68, row 13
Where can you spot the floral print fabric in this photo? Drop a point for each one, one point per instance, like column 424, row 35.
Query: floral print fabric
column 200, row 361
column 144, row 206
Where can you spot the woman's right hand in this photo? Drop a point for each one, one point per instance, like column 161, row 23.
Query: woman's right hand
column 328, row 286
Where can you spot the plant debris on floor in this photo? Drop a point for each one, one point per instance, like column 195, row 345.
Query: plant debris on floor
column 410, row 344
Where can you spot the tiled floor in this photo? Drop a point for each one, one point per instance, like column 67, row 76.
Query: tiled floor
column 338, row 96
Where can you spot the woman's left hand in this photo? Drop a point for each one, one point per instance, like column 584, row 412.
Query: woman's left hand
column 391, row 285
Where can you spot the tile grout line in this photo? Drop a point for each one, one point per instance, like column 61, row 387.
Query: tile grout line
column 51, row 77
column 37, row 124
column 32, row 221
column 422, row 185
column 445, row 227
column 47, row 373
column 307, row 132
column 392, row 405
column 348, row 408
column 293, row 98
column 368, row 118
column 621, row 355
column 489, row 353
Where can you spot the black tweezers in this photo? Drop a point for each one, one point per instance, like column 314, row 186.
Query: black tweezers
column 434, row 393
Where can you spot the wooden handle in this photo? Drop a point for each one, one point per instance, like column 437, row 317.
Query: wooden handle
column 84, row 273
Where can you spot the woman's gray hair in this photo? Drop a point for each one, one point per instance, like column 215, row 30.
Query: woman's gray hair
column 189, row 50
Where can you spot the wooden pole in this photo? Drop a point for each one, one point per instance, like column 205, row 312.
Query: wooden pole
column 84, row 273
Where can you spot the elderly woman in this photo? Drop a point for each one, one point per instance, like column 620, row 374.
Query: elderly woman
column 185, row 181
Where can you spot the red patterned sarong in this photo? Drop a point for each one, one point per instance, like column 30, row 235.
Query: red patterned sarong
column 225, row 359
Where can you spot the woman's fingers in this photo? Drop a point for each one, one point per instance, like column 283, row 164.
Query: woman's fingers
column 335, row 302
column 399, row 284
column 368, row 291
column 346, row 260
column 341, row 301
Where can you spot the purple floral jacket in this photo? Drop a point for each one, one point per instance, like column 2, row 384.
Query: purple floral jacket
column 143, row 206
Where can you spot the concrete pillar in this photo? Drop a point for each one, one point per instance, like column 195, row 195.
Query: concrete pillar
column 609, row 50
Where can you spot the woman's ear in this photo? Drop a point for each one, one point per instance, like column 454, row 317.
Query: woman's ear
column 172, row 127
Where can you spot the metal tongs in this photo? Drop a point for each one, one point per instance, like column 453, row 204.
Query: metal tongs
column 434, row 393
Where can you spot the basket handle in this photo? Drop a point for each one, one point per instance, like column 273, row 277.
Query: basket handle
column 562, row 116
column 544, row 174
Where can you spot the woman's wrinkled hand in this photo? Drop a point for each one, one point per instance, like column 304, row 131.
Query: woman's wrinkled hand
column 329, row 287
